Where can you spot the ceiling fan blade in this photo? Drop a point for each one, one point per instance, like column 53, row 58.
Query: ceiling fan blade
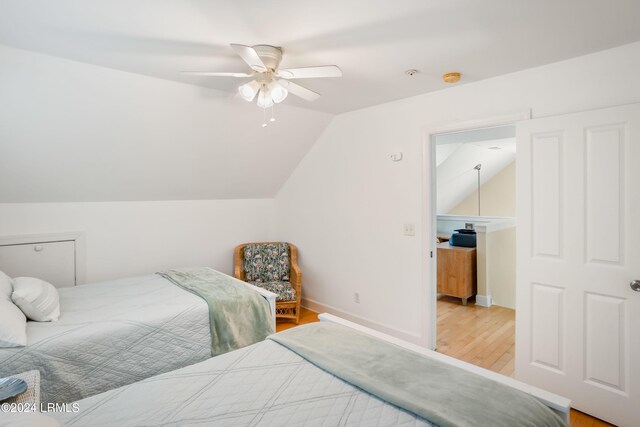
column 310, row 72
column 250, row 56
column 300, row 91
column 215, row 74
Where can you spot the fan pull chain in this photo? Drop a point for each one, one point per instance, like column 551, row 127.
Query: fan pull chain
column 264, row 116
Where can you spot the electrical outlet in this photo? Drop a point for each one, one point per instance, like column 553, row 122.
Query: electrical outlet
column 356, row 297
column 409, row 229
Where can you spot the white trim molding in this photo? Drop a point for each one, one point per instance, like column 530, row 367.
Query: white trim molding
column 482, row 224
column 26, row 239
column 429, row 213
column 323, row 308
column 78, row 237
column 484, row 300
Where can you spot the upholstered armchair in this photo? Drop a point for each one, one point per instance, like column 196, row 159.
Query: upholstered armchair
column 272, row 266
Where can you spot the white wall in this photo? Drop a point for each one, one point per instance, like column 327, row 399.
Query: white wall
column 73, row 132
column 132, row 238
column 456, row 175
column 497, row 196
column 500, row 268
column 345, row 204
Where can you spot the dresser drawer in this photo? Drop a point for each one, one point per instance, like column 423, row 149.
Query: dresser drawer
column 51, row 261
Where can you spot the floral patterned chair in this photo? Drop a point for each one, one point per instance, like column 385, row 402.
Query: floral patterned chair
column 272, row 266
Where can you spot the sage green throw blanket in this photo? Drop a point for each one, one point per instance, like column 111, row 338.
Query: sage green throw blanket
column 238, row 315
column 440, row 393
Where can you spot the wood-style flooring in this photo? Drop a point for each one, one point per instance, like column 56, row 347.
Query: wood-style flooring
column 485, row 336
column 482, row 336
column 479, row 335
column 306, row 316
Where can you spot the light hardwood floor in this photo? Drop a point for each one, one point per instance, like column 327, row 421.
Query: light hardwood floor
column 500, row 359
column 306, row 316
column 485, row 336
column 482, row 336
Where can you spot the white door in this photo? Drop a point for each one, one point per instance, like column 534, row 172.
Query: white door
column 578, row 215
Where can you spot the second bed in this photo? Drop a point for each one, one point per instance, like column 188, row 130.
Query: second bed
column 118, row 332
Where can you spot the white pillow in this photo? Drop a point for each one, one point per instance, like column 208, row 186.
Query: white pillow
column 37, row 299
column 6, row 286
column 13, row 325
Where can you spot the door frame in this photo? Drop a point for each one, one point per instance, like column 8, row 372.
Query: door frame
column 429, row 288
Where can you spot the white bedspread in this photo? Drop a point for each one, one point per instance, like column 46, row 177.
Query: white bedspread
column 263, row 384
column 111, row 334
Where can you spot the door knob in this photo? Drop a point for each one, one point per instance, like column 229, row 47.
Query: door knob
column 635, row 285
column 38, row 248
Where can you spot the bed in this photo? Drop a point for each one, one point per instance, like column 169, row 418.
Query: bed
column 118, row 332
column 276, row 382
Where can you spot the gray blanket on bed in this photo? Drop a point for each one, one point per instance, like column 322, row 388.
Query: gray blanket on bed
column 443, row 394
column 238, row 315
column 111, row 334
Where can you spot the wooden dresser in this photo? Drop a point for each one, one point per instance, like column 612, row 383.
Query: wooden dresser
column 456, row 271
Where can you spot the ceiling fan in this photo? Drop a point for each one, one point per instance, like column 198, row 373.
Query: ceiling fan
column 271, row 83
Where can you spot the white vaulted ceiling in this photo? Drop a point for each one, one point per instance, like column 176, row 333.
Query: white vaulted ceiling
column 76, row 132
column 458, row 153
column 93, row 106
column 373, row 41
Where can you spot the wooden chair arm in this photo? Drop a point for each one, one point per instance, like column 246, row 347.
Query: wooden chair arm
column 296, row 276
column 238, row 258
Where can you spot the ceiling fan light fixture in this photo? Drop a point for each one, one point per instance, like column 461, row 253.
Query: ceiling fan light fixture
column 249, row 90
column 264, row 97
column 278, row 93
column 271, row 85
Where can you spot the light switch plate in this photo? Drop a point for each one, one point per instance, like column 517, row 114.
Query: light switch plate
column 409, row 229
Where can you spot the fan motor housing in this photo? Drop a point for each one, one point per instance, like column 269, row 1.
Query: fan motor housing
column 270, row 55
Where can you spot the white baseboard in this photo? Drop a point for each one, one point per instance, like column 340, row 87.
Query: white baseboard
column 484, row 300
column 398, row 333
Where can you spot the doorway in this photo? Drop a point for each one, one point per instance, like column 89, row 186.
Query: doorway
column 475, row 245
column 577, row 284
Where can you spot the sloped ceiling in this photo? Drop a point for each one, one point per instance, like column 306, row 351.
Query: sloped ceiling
column 457, row 154
column 93, row 107
column 373, row 41
column 76, row 132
